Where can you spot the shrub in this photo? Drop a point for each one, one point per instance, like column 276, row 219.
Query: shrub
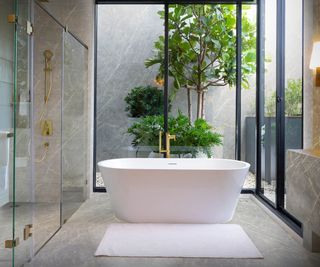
column 198, row 137
column 144, row 101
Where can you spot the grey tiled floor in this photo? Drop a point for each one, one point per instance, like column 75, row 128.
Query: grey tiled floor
column 76, row 242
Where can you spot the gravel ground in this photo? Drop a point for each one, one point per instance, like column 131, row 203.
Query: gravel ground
column 250, row 182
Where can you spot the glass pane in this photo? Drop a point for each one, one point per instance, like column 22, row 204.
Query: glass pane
column 129, row 91
column 6, row 129
column 268, row 131
column 23, row 196
column 47, row 126
column 293, row 98
column 248, row 93
column 73, row 126
column 202, row 67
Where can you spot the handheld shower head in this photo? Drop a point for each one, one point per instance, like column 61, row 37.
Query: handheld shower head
column 48, row 54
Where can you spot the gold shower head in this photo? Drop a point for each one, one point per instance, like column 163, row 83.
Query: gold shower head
column 48, row 54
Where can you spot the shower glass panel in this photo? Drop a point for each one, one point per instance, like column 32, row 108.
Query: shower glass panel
column 268, row 129
column 47, row 83
column 74, row 119
column 202, row 71
column 23, row 194
column 129, row 91
column 293, row 91
column 6, row 130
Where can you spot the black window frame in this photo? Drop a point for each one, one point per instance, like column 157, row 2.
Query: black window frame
column 278, row 207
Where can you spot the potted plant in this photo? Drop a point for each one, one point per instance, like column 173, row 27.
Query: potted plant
column 190, row 138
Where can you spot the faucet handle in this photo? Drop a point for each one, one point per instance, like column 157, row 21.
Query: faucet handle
column 172, row 136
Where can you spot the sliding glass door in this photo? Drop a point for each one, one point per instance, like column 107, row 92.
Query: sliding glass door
column 279, row 106
column 268, row 99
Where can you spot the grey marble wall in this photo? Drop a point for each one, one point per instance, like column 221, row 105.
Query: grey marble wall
column 61, row 175
column 77, row 15
column 74, row 115
column 303, row 189
column 125, row 39
column 316, row 90
column 308, row 75
column 311, row 92
column 47, row 172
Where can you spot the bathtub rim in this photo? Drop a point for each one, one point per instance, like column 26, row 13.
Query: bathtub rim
column 104, row 164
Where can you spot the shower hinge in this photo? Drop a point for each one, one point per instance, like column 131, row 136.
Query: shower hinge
column 11, row 243
column 27, row 231
column 29, row 28
column 12, row 18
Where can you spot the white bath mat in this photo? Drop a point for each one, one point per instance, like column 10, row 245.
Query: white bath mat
column 177, row 240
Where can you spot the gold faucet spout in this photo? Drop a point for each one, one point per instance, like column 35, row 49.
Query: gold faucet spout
column 168, row 138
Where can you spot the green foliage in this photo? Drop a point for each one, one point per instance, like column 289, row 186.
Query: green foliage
column 196, row 138
column 293, row 100
column 143, row 101
column 202, row 47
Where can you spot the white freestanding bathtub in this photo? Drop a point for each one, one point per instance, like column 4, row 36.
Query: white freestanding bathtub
column 144, row 190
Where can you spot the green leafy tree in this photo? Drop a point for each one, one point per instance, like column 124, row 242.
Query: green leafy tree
column 202, row 50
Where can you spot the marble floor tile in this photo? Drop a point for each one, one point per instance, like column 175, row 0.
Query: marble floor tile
column 76, row 242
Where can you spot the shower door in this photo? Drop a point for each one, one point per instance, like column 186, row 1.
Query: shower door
column 47, row 104
column 23, row 186
column 74, row 120
column 6, row 130
column 15, row 168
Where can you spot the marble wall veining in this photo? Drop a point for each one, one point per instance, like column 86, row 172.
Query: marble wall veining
column 303, row 192
column 78, row 17
column 311, row 92
column 74, row 118
column 126, row 34
column 61, row 173
column 47, row 169
column 47, row 172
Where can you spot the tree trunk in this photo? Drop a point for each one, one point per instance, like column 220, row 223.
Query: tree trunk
column 203, row 105
column 189, row 105
column 199, row 104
